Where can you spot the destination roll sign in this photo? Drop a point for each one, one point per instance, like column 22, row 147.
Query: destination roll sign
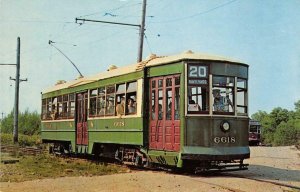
column 197, row 74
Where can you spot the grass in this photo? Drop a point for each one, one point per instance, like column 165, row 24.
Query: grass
column 49, row 166
column 46, row 165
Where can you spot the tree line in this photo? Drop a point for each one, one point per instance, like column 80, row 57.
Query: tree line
column 280, row 126
column 29, row 123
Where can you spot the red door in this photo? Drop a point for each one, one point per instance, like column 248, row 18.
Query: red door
column 81, row 118
column 164, row 126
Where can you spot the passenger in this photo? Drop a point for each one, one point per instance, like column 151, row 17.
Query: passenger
column 110, row 108
column 131, row 106
column 54, row 113
column 120, row 107
column 221, row 103
column 101, row 105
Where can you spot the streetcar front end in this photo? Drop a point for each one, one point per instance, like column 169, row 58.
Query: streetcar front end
column 216, row 115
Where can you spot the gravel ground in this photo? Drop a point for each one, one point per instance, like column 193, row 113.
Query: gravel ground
column 271, row 169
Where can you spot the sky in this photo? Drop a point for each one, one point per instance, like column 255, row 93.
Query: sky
column 264, row 34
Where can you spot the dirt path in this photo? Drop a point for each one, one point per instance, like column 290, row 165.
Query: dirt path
column 271, row 169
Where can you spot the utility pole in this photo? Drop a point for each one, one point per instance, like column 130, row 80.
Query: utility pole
column 17, row 85
column 18, row 80
column 142, row 32
column 141, row 28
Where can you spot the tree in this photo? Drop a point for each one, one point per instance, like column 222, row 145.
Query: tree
column 287, row 133
column 29, row 123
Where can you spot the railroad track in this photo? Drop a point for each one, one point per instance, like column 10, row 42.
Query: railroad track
column 23, row 150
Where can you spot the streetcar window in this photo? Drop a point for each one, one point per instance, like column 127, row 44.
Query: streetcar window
column 153, row 116
column 110, row 100
column 169, row 103
column 120, row 99
column 101, row 104
column 71, row 110
column 198, row 99
column 198, row 89
column 223, row 94
column 241, row 96
column 54, row 108
column 131, row 98
column 93, row 98
column 49, row 108
column 59, row 107
column 65, row 106
column 44, row 109
column 160, row 104
column 177, row 102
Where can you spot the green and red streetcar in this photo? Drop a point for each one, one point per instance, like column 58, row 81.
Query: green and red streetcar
column 188, row 111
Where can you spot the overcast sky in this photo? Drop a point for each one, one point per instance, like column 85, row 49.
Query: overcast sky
column 264, row 34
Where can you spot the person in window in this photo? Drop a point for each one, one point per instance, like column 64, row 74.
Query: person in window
column 110, row 107
column 131, row 107
column 120, row 107
column 102, row 105
column 54, row 113
column 221, row 103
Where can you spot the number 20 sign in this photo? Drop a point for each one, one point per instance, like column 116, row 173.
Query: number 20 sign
column 197, row 71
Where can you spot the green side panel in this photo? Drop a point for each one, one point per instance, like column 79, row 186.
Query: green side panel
column 116, row 124
column 201, row 131
column 59, row 136
column 114, row 80
column 166, row 69
column 59, row 131
column 58, row 125
column 129, row 138
column 127, row 131
column 164, row 157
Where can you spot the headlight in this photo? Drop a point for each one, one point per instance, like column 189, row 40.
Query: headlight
column 225, row 126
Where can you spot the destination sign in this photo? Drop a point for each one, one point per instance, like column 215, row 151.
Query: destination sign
column 197, row 74
column 197, row 81
column 197, row 71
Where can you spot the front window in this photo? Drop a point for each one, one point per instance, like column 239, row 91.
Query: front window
column 198, row 89
column 223, row 94
column 241, row 96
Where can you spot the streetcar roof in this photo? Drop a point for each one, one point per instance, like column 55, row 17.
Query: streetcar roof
column 153, row 60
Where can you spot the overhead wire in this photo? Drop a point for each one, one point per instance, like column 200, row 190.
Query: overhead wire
column 197, row 14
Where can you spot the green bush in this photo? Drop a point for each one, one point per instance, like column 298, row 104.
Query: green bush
column 23, row 140
column 29, row 123
column 280, row 127
column 287, row 133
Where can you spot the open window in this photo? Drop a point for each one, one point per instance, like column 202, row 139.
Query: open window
column 93, row 99
column 110, row 97
column 223, row 95
column 71, row 110
column 131, row 98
